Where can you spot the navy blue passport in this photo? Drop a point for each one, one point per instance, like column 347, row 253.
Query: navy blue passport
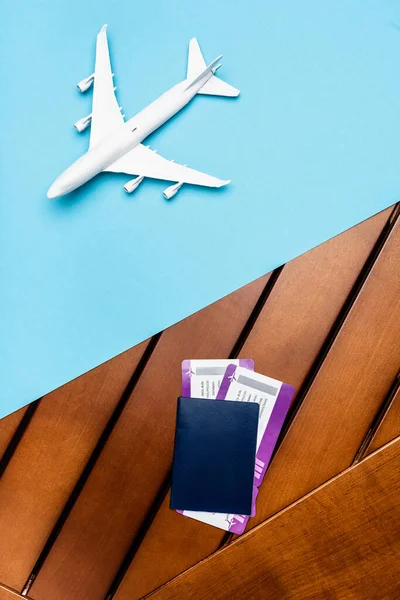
column 214, row 456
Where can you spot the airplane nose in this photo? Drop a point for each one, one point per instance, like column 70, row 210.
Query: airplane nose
column 53, row 191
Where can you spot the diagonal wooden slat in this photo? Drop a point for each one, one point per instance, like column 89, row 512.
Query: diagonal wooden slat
column 285, row 343
column 340, row 541
column 50, row 457
column 131, row 469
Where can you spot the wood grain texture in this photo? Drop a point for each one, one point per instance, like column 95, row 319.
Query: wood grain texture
column 137, row 457
column 389, row 428
column 50, row 458
column 341, row 541
column 8, row 427
column 7, row 594
column 284, row 343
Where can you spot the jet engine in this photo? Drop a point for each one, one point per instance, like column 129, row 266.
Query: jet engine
column 133, row 184
column 83, row 123
column 85, row 84
column 170, row 191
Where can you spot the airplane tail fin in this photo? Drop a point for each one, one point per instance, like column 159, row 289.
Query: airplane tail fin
column 196, row 62
column 197, row 68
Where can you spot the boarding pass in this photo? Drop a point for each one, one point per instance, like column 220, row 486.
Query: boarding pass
column 274, row 398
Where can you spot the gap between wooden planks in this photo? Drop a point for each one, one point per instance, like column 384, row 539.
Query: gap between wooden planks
column 8, row 428
column 389, row 426
column 339, row 405
column 340, row 541
column 132, row 468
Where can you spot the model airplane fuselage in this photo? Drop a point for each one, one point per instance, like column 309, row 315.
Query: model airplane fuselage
column 115, row 145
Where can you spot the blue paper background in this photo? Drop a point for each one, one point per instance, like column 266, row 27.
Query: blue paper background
column 312, row 146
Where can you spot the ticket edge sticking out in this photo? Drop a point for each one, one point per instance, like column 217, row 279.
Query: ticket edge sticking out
column 247, row 363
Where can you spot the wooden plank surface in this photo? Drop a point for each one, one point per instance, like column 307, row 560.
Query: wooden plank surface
column 137, row 456
column 341, row 541
column 8, row 427
column 284, row 342
column 50, row 457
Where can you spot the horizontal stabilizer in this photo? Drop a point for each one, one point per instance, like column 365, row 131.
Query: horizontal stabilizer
column 218, row 87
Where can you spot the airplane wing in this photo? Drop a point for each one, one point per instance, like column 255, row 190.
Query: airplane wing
column 106, row 114
column 143, row 161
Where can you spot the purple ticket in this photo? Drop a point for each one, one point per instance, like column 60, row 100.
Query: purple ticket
column 274, row 398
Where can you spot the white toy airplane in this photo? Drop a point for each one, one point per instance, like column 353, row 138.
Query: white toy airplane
column 115, row 145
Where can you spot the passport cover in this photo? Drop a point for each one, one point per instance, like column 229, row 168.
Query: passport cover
column 214, row 456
